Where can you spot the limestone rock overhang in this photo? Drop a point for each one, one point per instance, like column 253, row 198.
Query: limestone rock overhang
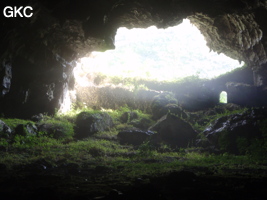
column 38, row 54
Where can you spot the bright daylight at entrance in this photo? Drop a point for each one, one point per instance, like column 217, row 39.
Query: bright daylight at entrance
column 156, row 54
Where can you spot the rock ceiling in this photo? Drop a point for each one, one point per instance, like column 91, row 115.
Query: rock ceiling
column 37, row 53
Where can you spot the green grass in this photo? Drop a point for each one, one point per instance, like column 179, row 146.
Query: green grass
column 102, row 149
column 145, row 160
column 114, row 114
column 72, row 114
column 12, row 123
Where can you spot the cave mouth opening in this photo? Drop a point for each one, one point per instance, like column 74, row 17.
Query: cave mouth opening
column 145, row 56
column 155, row 54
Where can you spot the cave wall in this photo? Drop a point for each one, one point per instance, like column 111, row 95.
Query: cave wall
column 38, row 54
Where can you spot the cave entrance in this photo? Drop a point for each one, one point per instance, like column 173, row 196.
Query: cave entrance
column 223, row 97
column 147, row 55
column 156, row 54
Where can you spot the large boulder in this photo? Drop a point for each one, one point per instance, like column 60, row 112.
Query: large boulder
column 134, row 136
column 175, row 131
column 89, row 123
column 238, row 132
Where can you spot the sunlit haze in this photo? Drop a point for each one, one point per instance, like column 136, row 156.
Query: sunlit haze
column 161, row 54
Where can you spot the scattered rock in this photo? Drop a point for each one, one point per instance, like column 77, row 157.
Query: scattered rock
column 235, row 133
column 37, row 118
column 175, row 131
column 56, row 129
column 134, row 136
column 28, row 129
column 5, row 131
column 89, row 123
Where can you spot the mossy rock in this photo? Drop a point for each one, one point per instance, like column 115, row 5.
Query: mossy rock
column 238, row 133
column 89, row 123
column 143, row 123
column 13, row 123
column 56, row 129
column 5, row 131
column 159, row 104
column 28, row 129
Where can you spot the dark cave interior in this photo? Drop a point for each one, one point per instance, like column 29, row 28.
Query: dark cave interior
column 180, row 143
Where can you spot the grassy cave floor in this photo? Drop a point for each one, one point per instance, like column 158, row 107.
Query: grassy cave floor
column 76, row 170
column 99, row 167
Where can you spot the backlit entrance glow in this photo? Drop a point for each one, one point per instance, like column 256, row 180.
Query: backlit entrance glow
column 151, row 54
column 158, row 54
